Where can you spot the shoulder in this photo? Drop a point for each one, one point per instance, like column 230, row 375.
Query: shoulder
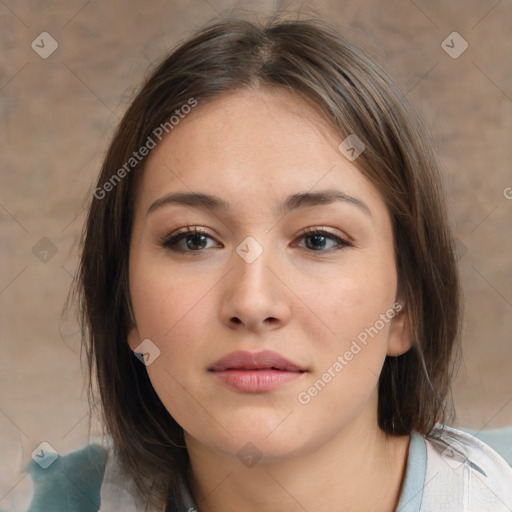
column 84, row 481
column 69, row 483
column 465, row 473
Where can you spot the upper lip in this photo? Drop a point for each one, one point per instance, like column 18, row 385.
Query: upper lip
column 266, row 359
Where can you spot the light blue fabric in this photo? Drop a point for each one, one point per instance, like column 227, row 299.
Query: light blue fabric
column 414, row 481
column 499, row 439
column 70, row 484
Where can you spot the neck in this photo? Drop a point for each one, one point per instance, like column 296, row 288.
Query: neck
column 359, row 469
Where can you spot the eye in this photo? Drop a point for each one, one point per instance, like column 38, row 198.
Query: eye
column 188, row 240
column 196, row 240
column 317, row 239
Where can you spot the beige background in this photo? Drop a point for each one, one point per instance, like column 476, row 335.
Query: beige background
column 57, row 115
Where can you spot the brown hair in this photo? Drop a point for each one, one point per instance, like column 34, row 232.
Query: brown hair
column 352, row 92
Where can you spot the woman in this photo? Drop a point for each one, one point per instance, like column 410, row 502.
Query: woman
column 270, row 291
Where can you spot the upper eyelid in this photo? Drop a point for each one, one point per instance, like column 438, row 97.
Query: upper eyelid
column 191, row 230
column 325, row 230
column 345, row 240
column 185, row 231
column 203, row 231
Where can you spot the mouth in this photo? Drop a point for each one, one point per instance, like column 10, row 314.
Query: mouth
column 255, row 372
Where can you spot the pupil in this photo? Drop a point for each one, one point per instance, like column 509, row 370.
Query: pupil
column 316, row 239
column 196, row 240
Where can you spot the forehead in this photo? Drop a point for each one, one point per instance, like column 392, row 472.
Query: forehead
column 252, row 144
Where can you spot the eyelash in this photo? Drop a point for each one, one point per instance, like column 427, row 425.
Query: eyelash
column 170, row 242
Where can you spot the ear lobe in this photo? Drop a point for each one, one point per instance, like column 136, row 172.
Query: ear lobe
column 400, row 335
column 133, row 338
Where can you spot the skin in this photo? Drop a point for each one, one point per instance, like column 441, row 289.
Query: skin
column 254, row 148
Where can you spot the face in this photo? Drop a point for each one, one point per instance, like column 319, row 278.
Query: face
column 273, row 300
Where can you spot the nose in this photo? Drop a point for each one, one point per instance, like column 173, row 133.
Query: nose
column 255, row 295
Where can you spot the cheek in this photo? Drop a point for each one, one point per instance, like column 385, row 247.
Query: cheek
column 178, row 374
column 351, row 302
column 173, row 308
column 348, row 364
column 174, row 312
column 355, row 313
column 166, row 301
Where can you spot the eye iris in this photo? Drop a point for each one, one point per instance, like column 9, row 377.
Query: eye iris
column 198, row 241
column 316, row 239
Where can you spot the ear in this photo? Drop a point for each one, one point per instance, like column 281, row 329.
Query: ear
column 133, row 337
column 400, row 333
column 133, row 333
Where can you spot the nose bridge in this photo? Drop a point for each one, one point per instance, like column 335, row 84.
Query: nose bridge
column 254, row 294
column 251, row 263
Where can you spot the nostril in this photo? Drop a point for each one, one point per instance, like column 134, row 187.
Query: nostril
column 270, row 319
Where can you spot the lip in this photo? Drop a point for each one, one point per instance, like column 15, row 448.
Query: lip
column 255, row 372
column 264, row 360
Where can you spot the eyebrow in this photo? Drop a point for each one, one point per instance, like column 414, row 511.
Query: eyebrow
column 293, row 202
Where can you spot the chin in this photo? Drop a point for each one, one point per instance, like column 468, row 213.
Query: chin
column 268, row 441
column 250, row 450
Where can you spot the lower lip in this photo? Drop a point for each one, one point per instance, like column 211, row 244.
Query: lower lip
column 256, row 381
